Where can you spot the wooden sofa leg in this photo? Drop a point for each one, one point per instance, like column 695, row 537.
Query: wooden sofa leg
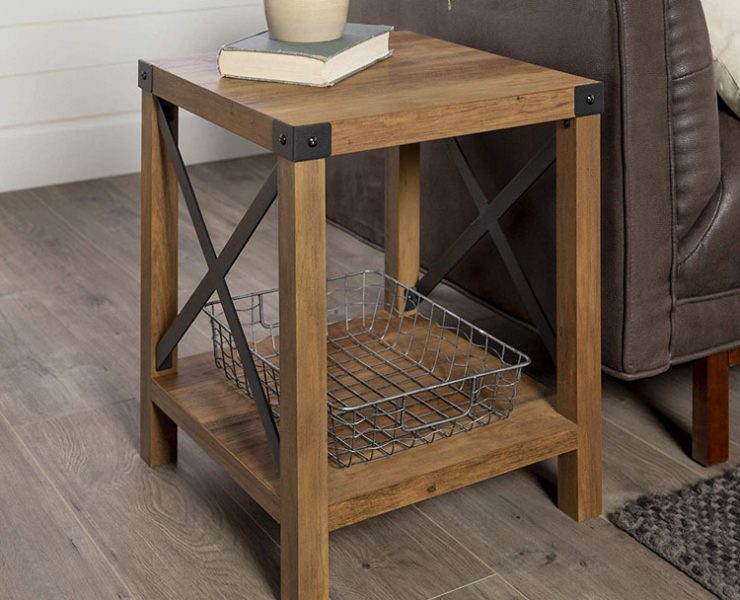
column 711, row 419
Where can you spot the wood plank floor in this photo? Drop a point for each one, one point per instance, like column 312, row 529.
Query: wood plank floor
column 81, row 516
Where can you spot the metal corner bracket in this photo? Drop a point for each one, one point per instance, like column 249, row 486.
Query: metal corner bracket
column 146, row 76
column 589, row 99
column 301, row 142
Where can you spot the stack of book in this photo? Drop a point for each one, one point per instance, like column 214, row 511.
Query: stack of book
column 318, row 64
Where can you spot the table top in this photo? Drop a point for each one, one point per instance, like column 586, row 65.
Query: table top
column 429, row 89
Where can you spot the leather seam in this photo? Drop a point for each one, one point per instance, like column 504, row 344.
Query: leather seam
column 624, row 117
column 698, row 220
column 673, row 276
column 674, row 361
column 687, row 75
column 685, row 358
column 711, row 223
column 709, row 297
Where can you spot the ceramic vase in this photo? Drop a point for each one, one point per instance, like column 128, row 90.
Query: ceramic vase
column 306, row 20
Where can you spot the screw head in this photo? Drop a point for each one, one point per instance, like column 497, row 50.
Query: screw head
column 590, row 99
column 313, row 141
column 144, row 75
column 282, row 139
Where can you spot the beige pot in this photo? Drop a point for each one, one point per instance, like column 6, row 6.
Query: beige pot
column 306, row 20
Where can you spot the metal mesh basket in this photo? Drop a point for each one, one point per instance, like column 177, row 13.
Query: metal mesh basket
column 396, row 378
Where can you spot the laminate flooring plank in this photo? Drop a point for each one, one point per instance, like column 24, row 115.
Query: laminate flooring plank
column 511, row 523
column 49, row 261
column 116, row 201
column 45, row 552
column 224, row 190
column 38, row 351
column 490, row 588
column 658, row 410
column 69, row 317
column 103, row 217
column 169, row 533
column 397, row 555
column 634, row 469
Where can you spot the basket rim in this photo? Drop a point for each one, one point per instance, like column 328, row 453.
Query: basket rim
column 522, row 363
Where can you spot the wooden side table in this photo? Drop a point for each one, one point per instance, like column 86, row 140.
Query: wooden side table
column 428, row 90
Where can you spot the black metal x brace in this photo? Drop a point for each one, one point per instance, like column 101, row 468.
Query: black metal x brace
column 488, row 222
column 218, row 267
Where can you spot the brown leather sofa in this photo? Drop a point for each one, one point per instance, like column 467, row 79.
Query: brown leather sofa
column 671, row 182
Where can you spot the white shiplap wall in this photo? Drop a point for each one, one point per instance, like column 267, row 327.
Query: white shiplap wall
column 69, row 103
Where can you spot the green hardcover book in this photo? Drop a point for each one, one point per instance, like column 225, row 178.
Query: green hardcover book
column 319, row 64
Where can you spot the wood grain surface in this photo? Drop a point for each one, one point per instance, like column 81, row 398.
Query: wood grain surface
column 43, row 540
column 485, row 589
column 579, row 311
column 403, row 215
column 159, row 270
column 226, row 424
column 304, row 492
column 401, row 100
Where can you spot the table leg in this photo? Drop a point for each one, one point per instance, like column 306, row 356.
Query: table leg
column 402, row 229
column 158, row 433
column 579, row 312
column 304, row 512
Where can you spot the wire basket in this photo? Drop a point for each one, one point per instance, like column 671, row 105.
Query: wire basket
column 397, row 378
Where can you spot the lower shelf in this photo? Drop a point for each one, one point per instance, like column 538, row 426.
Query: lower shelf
column 226, row 425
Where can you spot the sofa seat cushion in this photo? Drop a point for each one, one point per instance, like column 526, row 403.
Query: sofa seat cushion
column 711, row 265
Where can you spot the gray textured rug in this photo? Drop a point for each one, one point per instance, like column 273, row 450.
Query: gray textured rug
column 696, row 529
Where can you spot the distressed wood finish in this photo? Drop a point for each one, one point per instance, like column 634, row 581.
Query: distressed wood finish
column 579, row 312
column 536, row 432
column 227, row 427
column 402, row 100
column 710, row 431
column 45, row 550
column 304, row 501
column 158, row 433
column 402, row 215
column 225, row 424
column 735, row 357
column 397, row 104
